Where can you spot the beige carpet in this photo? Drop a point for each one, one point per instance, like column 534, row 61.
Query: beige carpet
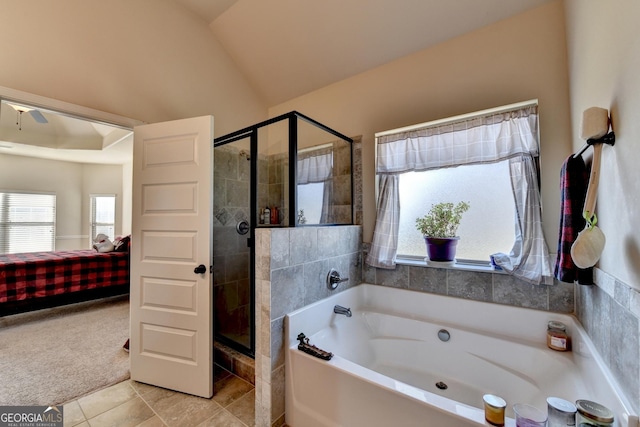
column 55, row 355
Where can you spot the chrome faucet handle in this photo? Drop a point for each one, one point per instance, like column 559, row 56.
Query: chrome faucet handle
column 333, row 279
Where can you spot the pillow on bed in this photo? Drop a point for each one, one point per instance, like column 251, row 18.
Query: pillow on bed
column 121, row 243
column 101, row 243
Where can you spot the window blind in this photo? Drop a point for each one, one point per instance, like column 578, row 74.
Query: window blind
column 27, row 222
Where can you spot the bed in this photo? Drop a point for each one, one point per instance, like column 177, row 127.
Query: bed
column 30, row 281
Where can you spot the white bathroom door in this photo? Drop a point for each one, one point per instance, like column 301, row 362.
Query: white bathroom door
column 171, row 296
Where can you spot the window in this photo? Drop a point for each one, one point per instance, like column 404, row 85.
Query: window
column 310, row 198
column 487, row 228
column 27, row 222
column 103, row 215
column 489, row 157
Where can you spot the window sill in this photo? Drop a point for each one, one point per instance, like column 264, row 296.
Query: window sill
column 459, row 265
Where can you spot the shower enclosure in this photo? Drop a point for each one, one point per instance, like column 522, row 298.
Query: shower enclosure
column 289, row 171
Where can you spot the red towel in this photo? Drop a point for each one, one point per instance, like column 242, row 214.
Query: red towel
column 574, row 180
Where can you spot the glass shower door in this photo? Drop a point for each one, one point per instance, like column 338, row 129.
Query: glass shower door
column 233, row 308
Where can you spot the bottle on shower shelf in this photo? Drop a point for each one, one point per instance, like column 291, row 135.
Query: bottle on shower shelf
column 267, row 215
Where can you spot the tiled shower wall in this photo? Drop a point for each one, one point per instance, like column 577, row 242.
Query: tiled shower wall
column 341, row 206
column 230, row 251
column 291, row 271
column 277, row 184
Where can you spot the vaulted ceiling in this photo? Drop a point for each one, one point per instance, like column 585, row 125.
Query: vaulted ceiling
column 285, row 49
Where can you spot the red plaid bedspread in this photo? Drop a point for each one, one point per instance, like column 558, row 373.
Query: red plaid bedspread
column 41, row 274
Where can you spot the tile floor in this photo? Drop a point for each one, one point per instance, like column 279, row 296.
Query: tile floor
column 130, row 404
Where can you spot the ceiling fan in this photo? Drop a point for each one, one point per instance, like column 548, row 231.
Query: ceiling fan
column 36, row 114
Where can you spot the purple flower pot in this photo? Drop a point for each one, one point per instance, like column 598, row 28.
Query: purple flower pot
column 441, row 249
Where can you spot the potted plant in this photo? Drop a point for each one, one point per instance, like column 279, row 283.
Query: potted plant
column 439, row 227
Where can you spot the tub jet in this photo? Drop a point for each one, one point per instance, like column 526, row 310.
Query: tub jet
column 441, row 385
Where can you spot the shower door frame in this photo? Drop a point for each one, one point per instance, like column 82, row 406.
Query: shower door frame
column 252, row 133
column 253, row 165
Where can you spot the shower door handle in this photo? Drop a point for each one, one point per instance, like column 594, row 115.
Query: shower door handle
column 201, row 269
column 242, row 227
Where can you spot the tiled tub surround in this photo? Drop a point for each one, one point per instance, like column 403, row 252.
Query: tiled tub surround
column 489, row 286
column 610, row 313
column 291, row 270
column 389, row 353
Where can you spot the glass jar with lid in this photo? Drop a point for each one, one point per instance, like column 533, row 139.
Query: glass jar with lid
column 592, row 414
column 557, row 337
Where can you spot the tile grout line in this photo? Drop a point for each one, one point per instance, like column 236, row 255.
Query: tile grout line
column 148, row 405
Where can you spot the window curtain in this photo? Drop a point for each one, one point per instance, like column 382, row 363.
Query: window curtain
column 528, row 259
column 314, row 167
column 509, row 135
column 384, row 245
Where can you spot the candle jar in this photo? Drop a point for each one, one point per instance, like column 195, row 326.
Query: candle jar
column 561, row 412
column 494, row 409
column 592, row 414
column 557, row 338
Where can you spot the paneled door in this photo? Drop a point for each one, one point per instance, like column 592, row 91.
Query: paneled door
column 171, row 297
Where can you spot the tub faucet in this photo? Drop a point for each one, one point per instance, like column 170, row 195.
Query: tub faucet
column 338, row 309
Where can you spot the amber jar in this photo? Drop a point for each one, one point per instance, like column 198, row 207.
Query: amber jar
column 494, row 409
column 557, row 338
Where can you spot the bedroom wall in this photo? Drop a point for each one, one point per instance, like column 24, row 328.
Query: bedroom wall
column 514, row 60
column 150, row 60
column 103, row 179
column 72, row 183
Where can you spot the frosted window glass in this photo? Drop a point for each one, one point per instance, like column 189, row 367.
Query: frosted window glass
column 486, row 228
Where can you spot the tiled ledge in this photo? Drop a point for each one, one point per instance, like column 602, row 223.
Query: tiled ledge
column 610, row 313
column 623, row 294
column 476, row 283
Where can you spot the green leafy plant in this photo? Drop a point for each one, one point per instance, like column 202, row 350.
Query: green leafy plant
column 301, row 218
column 442, row 220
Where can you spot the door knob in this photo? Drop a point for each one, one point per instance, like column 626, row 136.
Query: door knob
column 201, row 269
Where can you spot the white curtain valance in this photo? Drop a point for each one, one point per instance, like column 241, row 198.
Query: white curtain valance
column 315, row 168
column 478, row 140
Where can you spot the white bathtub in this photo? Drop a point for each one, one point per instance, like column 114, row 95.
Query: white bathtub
column 388, row 358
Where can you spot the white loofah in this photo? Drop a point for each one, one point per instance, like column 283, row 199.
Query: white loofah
column 588, row 247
